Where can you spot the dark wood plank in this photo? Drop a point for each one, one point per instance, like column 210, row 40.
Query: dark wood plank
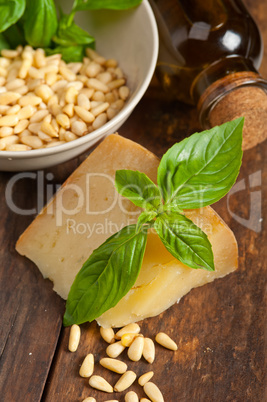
column 220, row 328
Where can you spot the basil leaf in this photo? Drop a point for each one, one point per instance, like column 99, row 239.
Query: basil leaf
column 138, row 188
column 144, row 217
column 10, row 13
column 106, row 276
column 15, row 35
column 80, row 5
column 69, row 54
column 70, row 34
column 3, row 42
column 201, row 169
column 40, row 22
column 185, row 241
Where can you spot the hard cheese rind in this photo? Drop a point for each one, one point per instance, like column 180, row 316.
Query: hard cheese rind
column 87, row 210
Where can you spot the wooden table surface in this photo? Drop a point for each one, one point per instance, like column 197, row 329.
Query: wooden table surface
column 220, row 328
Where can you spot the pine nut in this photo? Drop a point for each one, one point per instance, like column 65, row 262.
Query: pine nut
column 85, row 115
column 32, row 141
column 13, row 109
column 100, row 108
column 136, row 349
column 74, row 338
column 6, row 131
column 89, row 92
column 69, row 109
column 24, row 133
column 98, row 85
column 11, row 139
column 89, row 399
column 99, row 96
column 83, row 101
column 38, row 116
column 116, row 83
column 93, row 69
column 9, row 54
column 75, row 84
column 35, row 73
column 32, row 84
column 124, row 92
column 69, row 136
column 4, row 109
column 50, row 78
column 44, row 91
column 118, row 72
column 104, row 77
column 24, row 69
column 125, row 381
column 34, row 127
column 113, row 365
column 8, row 97
column 149, row 350
column 3, row 73
column 145, row 400
column 39, row 58
column 131, row 396
column 78, row 128
column 165, row 341
column 67, row 73
column 132, row 328
column 115, row 349
column 21, row 126
column 26, row 112
column 10, row 120
column 22, row 90
column 87, row 367
column 143, row 379
column 17, row 147
column 30, row 100
column 54, row 144
column 63, row 120
column 44, row 137
column 100, row 383
column 71, row 95
column 111, row 63
column 2, row 80
column 107, row 334
column 153, row 392
column 75, row 67
column 47, row 128
column 58, row 85
column 127, row 339
column 10, row 86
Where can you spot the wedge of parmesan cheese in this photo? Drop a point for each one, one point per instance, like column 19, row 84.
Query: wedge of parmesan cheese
column 87, row 210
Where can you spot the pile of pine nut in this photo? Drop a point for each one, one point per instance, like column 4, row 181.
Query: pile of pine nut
column 45, row 102
column 138, row 347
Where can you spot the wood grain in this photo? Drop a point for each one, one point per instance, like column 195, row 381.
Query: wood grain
column 220, row 328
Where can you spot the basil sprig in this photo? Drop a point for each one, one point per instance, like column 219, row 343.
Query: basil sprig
column 36, row 23
column 193, row 173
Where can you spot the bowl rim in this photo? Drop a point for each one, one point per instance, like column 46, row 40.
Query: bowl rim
column 122, row 115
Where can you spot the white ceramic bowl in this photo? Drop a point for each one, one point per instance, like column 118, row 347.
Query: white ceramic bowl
column 129, row 36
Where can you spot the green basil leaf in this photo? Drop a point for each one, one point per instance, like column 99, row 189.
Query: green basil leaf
column 80, row 5
column 138, row 188
column 40, row 22
column 69, row 54
column 106, row 276
column 10, row 12
column 70, row 34
column 15, row 35
column 201, row 169
column 144, row 217
column 3, row 42
column 185, row 241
